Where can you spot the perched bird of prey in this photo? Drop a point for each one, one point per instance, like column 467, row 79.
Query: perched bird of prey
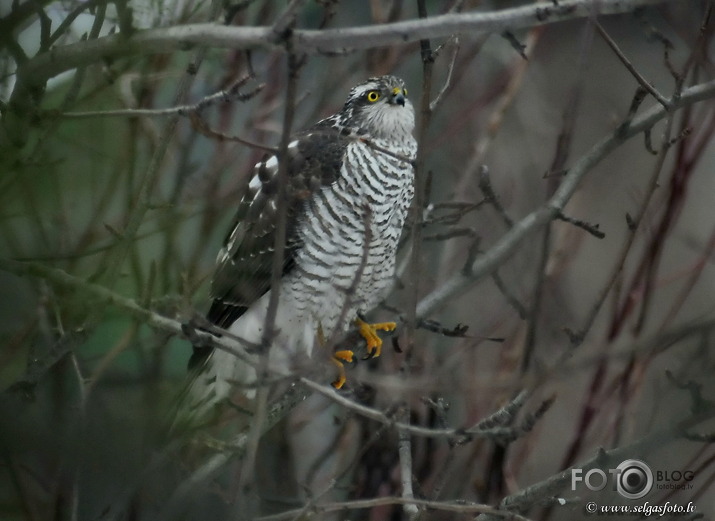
column 349, row 188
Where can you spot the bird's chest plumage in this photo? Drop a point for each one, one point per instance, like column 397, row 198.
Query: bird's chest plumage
column 350, row 231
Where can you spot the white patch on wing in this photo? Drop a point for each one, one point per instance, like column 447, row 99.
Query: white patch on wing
column 255, row 183
column 223, row 253
column 272, row 163
column 271, row 167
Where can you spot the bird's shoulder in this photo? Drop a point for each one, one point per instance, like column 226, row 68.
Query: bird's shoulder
column 244, row 264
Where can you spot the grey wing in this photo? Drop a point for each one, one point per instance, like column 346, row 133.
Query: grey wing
column 244, row 264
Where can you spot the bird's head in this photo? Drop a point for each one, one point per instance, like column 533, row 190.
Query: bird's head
column 380, row 107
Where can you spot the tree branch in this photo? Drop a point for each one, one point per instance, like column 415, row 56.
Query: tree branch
column 527, row 497
column 185, row 37
column 63, row 279
column 631, row 68
column 485, row 264
column 463, row 507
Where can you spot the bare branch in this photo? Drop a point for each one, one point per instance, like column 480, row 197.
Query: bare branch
column 374, row 414
column 453, row 23
column 286, row 19
column 184, row 37
column 222, row 96
column 404, row 450
column 491, row 259
column 504, row 415
column 234, row 448
column 515, row 43
column 631, row 68
column 524, row 499
column 200, row 125
column 593, row 229
column 509, row 296
column 61, row 278
column 448, row 81
column 485, row 185
column 464, row 507
column 70, row 18
column 460, row 330
column 638, row 98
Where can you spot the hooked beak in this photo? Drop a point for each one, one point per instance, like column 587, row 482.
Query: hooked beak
column 398, row 97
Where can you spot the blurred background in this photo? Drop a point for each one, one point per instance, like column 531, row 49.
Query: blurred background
column 607, row 318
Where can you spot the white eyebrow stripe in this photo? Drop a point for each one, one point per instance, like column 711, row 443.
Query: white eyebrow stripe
column 367, row 87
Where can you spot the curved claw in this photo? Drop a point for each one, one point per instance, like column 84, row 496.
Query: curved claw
column 369, row 333
column 345, row 355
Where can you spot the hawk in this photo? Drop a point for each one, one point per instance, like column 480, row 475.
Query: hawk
column 349, row 188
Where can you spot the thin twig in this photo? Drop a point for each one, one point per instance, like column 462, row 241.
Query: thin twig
column 162, row 40
column 638, row 98
column 198, row 123
column 590, row 228
column 222, row 96
column 586, row 418
column 71, row 17
column 523, row 500
column 234, row 448
column 404, row 451
column 515, row 43
column 145, row 186
column 417, row 213
column 628, row 65
column 286, row 20
column 45, row 26
column 448, row 81
column 418, row 202
column 461, row 282
column 246, row 483
column 509, row 296
column 282, row 211
column 504, row 415
column 497, row 115
column 63, row 279
column 464, row 507
column 459, row 331
column 485, row 185
column 381, row 417
column 451, row 234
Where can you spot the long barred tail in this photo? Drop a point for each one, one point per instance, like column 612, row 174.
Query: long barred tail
column 210, row 388
column 314, row 442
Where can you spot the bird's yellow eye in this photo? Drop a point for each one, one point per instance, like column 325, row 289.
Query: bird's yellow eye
column 373, row 96
column 404, row 91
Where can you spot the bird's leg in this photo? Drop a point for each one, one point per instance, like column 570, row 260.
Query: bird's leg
column 369, row 333
column 343, row 355
column 374, row 346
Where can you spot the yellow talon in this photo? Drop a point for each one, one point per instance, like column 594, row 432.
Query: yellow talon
column 344, row 355
column 369, row 333
column 374, row 346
